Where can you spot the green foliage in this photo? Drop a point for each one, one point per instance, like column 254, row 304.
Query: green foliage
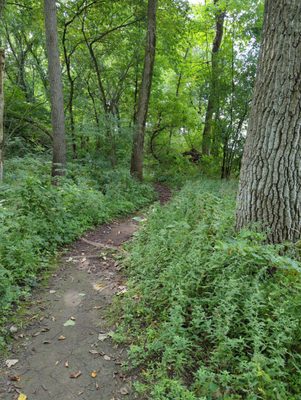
column 100, row 106
column 36, row 218
column 212, row 313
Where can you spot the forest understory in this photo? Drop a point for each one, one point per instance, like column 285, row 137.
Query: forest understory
column 150, row 199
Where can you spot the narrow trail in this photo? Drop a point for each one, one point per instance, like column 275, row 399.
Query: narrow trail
column 65, row 352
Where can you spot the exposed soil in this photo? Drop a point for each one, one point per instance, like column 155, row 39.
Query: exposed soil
column 164, row 193
column 65, row 351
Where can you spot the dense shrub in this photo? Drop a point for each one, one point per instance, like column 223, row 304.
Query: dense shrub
column 37, row 218
column 211, row 313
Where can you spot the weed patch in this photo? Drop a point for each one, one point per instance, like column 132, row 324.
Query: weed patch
column 212, row 313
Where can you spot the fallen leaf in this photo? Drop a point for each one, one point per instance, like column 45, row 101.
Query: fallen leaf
column 102, row 337
column 69, row 323
column 97, row 307
column 22, row 396
column 124, row 391
column 122, row 290
column 98, row 286
column 107, row 358
column 93, row 351
column 75, row 375
column 52, row 291
column 62, row 337
column 82, row 294
column 139, row 219
column 11, row 363
column 13, row 329
column 94, row 374
column 72, row 318
column 15, row 378
column 67, row 364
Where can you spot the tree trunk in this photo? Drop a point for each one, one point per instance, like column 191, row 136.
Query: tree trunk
column 71, row 91
column 105, row 103
column 211, row 107
column 2, row 60
column 56, row 90
column 270, row 181
column 144, row 93
column 2, row 65
column 72, row 121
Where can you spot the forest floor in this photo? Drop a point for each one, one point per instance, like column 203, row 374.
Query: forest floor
column 64, row 351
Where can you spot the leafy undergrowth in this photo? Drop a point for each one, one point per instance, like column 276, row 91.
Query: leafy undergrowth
column 37, row 218
column 211, row 313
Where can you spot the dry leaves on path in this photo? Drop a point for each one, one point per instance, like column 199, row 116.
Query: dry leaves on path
column 76, row 375
column 11, row 363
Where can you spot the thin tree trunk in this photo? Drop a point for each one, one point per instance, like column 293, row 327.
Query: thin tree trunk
column 2, row 61
column 180, row 76
column 56, row 90
column 270, row 181
column 72, row 121
column 144, row 93
column 71, row 91
column 211, row 106
column 136, row 92
column 104, row 101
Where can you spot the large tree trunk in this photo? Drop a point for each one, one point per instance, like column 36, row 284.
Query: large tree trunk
column 144, row 93
column 270, row 182
column 212, row 100
column 2, row 58
column 56, row 90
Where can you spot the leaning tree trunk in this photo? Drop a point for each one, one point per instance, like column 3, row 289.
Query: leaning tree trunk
column 144, row 94
column 2, row 59
column 56, row 90
column 212, row 100
column 270, row 182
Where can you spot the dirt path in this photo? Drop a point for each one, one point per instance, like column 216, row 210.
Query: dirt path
column 66, row 352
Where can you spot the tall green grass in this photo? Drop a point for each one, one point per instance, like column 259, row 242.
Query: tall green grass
column 211, row 313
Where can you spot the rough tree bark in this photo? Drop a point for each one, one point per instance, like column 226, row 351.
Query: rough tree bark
column 2, row 59
column 211, row 106
column 56, row 90
column 270, row 181
column 144, row 93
